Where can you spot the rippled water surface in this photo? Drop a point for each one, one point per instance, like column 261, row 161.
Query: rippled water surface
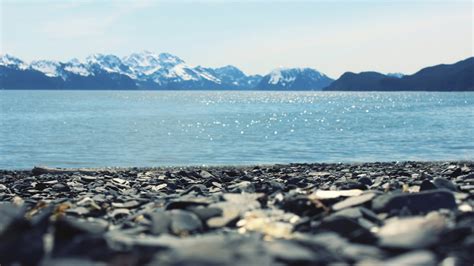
column 144, row 128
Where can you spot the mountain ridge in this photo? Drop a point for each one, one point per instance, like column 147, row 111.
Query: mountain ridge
column 151, row 71
column 458, row 76
column 141, row 70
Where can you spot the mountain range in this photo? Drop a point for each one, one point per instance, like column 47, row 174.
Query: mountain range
column 454, row 77
column 164, row 71
column 147, row 70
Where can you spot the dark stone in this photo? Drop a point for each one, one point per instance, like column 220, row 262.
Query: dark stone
column 352, row 185
column 427, row 185
column 21, row 240
column 347, row 227
column 205, row 213
column 441, row 183
column 357, row 213
column 421, row 202
column 300, row 205
column 184, row 204
column 8, row 214
column 365, row 180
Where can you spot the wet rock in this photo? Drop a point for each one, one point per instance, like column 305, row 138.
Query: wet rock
column 421, row 202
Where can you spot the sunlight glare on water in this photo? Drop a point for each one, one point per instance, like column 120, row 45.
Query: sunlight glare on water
column 154, row 128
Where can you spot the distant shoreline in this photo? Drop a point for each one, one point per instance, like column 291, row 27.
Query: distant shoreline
column 53, row 169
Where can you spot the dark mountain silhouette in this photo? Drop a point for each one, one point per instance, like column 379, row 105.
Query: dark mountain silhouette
column 454, row 77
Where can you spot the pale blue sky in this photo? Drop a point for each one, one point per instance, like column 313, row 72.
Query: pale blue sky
column 256, row 36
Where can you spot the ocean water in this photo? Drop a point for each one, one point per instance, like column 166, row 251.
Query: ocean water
column 164, row 128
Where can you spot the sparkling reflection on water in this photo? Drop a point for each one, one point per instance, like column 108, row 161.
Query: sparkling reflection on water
column 154, row 128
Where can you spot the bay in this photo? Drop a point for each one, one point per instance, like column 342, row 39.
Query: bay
column 167, row 128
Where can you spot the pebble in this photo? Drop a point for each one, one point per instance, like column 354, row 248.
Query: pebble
column 353, row 201
column 160, row 222
column 378, row 213
column 412, row 232
column 184, row 222
column 421, row 202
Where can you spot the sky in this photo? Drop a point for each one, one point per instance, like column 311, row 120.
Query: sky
column 256, row 36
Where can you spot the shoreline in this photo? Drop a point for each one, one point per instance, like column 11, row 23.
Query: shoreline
column 418, row 212
column 237, row 166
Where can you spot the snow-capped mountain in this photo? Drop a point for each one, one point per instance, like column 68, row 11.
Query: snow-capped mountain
column 74, row 66
column 108, row 63
column 233, row 77
column 146, row 70
column 294, row 79
column 12, row 62
column 49, row 68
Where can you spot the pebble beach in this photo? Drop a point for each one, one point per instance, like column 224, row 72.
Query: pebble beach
column 390, row 213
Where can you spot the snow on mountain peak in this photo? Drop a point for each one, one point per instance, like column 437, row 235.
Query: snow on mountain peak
column 76, row 67
column 396, row 75
column 170, row 59
column 109, row 63
column 288, row 75
column 145, row 62
column 8, row 60
column 49, row 68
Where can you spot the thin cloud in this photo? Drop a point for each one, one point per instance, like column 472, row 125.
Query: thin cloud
column 82, row 26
